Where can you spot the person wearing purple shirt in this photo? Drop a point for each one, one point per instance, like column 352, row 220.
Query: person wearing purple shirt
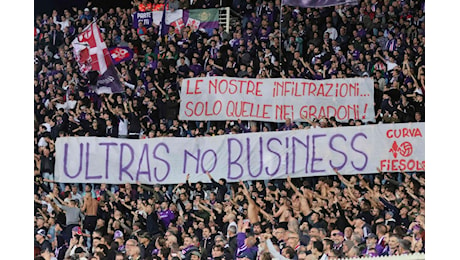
column 246, row 244
column 289, row 125
column 165, row 215
column 255, row 20
column 371, row 245
column 271, row 12
column 353, row 52
column 264, row 35
column 196, row 67
column 188, row 247
column 249, row 35
column 361, row 31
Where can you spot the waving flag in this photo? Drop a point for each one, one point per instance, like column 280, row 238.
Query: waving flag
column 92, row 55
column 194, row 24
column 207, row 19
column 164, row 27
column 320, row 3
column 178, row 25
column 120, row 54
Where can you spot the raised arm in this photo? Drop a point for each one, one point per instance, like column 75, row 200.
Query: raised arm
column 44, row 215
column 293, row 187
column 306, row 119
column 272, row 249
column 144, row 186
column 212, row 179
column 177, row 187
column 253, row 209
column 187, row 183
column 342, row 179
column 201, row 206
column 157, row 85
column 58, row 202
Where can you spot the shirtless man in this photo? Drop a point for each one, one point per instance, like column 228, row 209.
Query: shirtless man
column 89, row 208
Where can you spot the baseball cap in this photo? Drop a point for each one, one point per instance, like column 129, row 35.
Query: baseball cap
column 41, row 232
column 371, row 235
column 195, row 252
column 391, row 213
column 117, row 234
column 339, row 234
column 77, row 230
column 79, row 250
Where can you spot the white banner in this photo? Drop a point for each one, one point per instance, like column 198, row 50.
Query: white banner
column 275, row 100
column 264, row 155
column 170, row 16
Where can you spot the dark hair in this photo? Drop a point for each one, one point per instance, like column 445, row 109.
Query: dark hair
column 165, row 251
column 318, row 245
column 290, row 252
column 101, row 255
column 104, row 248
column 405, row 244
column 329, row 242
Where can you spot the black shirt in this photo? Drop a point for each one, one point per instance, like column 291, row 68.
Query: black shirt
column 45, row 245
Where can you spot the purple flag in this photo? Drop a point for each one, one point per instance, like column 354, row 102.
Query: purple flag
column 164, row 27
column 145, row 17
column 319, row 3
column 120, row 54
column 208, row 18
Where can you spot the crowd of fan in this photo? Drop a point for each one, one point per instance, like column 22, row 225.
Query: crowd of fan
column 308, row 218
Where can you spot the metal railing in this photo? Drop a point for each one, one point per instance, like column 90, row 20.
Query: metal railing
column 224, row 18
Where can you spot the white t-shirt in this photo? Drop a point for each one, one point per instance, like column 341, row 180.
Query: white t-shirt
column 48, row 127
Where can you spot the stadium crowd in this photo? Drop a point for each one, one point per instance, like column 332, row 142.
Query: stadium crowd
column 306, row 218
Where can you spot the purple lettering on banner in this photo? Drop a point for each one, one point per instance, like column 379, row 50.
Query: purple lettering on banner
column 248, row 146
column 287, row 155
column 307, row 154
column 145, row 153
column 230, row 162
column 124, row 169
column 163, row 160
column 197, row 159
column 214, row 164
column 277, row 155
column 313, row 158
column 358, row 151
column 331, row 146
column 87, row 166
column 107, row 159
column 66, row 172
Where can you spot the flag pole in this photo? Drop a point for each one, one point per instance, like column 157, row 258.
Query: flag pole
column 281, row 35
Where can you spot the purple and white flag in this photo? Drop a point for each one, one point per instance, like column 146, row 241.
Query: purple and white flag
column 120, row 54
column 145, row 17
